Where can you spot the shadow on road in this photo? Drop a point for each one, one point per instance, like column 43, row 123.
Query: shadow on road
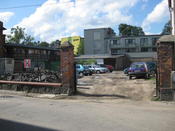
column 101, row 95
column 7, row 125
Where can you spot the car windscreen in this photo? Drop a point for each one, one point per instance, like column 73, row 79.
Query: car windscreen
column 139, row 65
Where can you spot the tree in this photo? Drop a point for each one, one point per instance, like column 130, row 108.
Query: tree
column 129, row 30
column 55, row 44
column 43, row 44
column 167, row 29
column 18, row 36
column 28, row 40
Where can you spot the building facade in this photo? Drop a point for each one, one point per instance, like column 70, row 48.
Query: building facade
column 77, row 42
column 133, row 44
column 104, row 41
column 96, row 40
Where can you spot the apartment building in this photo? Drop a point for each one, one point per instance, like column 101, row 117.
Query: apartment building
column 133, row 44
column 96, row 40
column 77, row 42
column 103, row 41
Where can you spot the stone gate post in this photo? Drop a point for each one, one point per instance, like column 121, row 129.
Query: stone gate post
column 165, row 65
column 67, row 68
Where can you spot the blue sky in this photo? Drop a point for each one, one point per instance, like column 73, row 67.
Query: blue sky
column 61, row 18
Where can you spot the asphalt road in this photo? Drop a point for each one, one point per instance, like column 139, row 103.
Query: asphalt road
column 19, row 113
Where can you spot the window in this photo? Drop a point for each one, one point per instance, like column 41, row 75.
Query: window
column 131, row 50
column 31, row 51
column 97, row 36
column 116, row 42
column 75, row 39
column 143, row 41
column 154, row 49
column 144, row 49
column 9, row 61
column 130, row 42
column 154, row 40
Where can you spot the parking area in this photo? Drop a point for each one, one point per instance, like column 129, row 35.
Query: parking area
column 117, row 85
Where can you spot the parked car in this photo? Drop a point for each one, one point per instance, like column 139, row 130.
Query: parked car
column 152, row 67
column 109, row 67
column 141, row 69
column 126, row 70
column 80, row 69
column 87, row 71
column 98, row 69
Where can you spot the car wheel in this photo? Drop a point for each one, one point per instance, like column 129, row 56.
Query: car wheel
column 147, row 76
column 81, row 74
column 130, row 77
column 98, row 72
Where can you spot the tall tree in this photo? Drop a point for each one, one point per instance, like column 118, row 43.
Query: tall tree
column 28, row 40
column 167, row 29
column 18, row 36
column 129, row 30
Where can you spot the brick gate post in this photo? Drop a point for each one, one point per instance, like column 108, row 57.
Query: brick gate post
column 165, row 65
column 67, row 68
column 2, row 39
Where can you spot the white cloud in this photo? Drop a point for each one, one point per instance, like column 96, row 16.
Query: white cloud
column 56, row 19
column 159, row 13
column 5, row 16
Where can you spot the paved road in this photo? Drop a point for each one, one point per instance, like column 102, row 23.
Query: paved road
column 26, row 113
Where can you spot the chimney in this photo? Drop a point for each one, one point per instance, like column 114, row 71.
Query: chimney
column 2, row 36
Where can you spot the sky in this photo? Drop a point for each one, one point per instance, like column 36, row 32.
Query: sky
column 49, row 20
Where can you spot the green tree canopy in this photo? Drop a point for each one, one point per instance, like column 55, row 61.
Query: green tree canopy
column 18, row 36
column 129, row 30
column 43, row 44
column 167, row 29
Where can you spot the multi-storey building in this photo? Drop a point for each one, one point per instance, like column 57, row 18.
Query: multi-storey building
column 133, row 44
column 103, row 41
column 96, row 40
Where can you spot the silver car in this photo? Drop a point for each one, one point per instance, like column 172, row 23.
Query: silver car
column 98, row 69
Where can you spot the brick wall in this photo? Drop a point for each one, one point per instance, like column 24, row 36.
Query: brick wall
column 67, row 68
column 165, row 65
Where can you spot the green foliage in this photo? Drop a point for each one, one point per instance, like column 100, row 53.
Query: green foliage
column 167, row 29
column 43, row 44
column 129, row 30
column 18, row 36
column 87, row 62
column 55, row 43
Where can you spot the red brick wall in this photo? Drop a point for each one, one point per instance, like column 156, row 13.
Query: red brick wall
column 67, row 70
column 165, row 64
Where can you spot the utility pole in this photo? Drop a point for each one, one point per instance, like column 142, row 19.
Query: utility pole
column 172, row 14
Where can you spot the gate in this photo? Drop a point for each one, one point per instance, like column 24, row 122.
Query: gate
column 47, row 70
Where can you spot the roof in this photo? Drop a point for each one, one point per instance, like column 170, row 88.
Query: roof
column 27, row 46
column 97, row 56
column 139, row 36
column 98, row 28
column 167, row 38
column 2, row 28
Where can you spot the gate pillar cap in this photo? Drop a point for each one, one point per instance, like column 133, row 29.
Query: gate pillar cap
column 167, row 38
column 66, row 44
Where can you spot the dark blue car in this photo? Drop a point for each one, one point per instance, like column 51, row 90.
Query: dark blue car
column 142, row 69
